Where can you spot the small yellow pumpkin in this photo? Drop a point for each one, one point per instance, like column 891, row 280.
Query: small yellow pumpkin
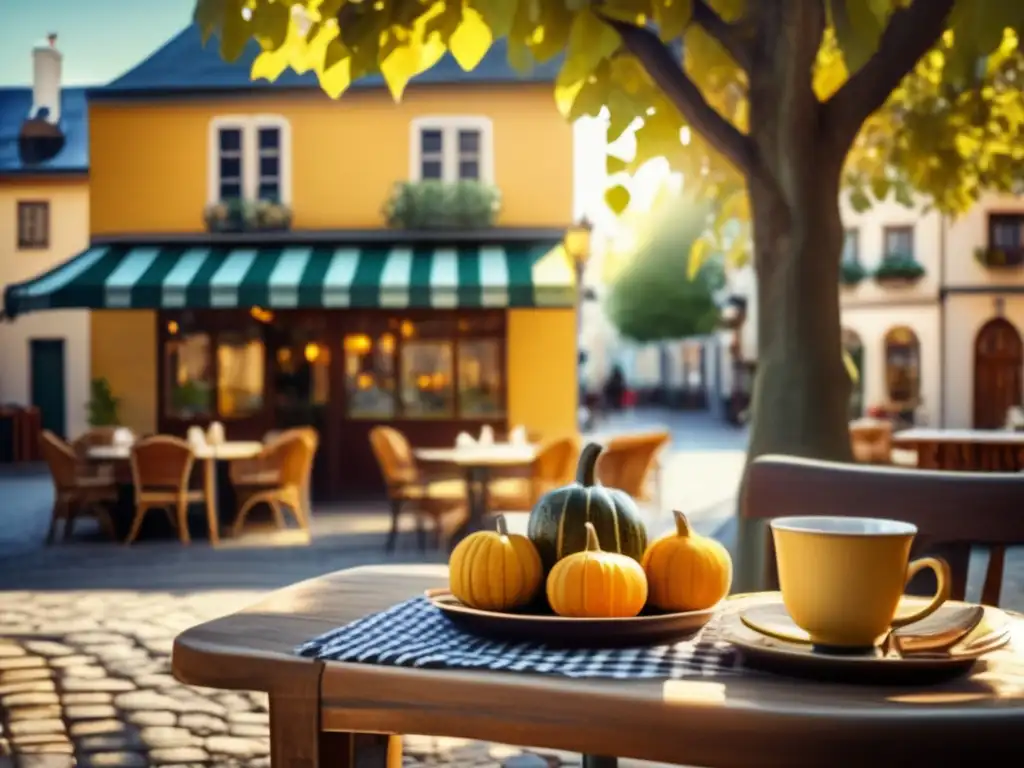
column 495, row 570
column 597, row 584
column 686, row 571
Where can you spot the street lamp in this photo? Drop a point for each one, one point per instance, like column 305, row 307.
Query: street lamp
column 577, row 247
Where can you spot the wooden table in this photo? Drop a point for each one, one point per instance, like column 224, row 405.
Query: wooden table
column 341, row 714
column 478, row 463
column 209, row 455
column 966, row 450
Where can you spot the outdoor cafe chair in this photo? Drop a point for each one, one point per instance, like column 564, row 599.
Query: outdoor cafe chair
column 408, row 487
column 953, row 511
column 74, row 492
column 161, row 474
column 630, row 462
column 553, row 467
column 278, row 477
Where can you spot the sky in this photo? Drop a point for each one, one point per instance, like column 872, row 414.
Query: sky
column 100, row 39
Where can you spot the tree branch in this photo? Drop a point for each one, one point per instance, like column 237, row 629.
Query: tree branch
column 911, row 32
column 728, row 35
column 667, row 73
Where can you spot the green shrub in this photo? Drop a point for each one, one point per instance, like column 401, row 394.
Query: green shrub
column 102, row 406
column 899, row 267
column 442, row 205
column 851, row 273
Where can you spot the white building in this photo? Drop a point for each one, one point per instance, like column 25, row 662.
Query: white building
column 944, row 344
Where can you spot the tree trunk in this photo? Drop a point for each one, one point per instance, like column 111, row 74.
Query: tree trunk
column 801, row 389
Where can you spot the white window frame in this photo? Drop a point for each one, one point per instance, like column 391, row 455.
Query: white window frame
column 449, row 126
column 250, row 126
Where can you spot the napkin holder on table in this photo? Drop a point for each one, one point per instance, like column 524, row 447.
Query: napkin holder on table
column 464, row 440
column 215, row 433
column 196, row 437
column 122, row 437
column 517, row 436
column 486, row 435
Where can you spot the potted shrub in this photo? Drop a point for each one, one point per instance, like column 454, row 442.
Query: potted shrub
column 899, row 269
column 271, row 216
column 851, row 273
column 102, row 406
column 995, row 258
column 442, row 205
column 228, row 216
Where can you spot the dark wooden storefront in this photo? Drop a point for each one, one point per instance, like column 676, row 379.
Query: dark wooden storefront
column 429, row 373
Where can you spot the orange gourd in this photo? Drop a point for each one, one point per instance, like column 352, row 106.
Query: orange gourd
column 686, row 571
column 495, row 570
column 596, row 584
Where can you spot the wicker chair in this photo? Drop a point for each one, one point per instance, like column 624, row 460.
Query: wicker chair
column 161, row 473
column 553, row 467
column 73, row 492
column 279, row 477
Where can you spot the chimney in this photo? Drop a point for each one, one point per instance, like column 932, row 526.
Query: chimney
column 46, row 72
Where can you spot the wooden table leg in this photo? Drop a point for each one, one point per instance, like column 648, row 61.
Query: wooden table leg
column 360, row 750
column 212, row 518
column 477, row 479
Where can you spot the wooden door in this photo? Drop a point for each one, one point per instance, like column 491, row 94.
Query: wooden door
column 47, row 383
column 998, row 360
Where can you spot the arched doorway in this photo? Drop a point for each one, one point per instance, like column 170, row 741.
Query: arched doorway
column 998, row 359
column 854, row 347
column 903, row 372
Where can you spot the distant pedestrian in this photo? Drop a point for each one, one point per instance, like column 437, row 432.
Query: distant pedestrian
column 615, row 389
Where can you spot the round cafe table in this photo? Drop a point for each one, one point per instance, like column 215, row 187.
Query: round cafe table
column 333, row 713
column 220, row 498
column 478, row 463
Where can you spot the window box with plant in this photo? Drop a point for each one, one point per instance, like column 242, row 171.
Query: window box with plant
column 233, row 216
column 995, row 257
column 851, row 274
column 433, row 204
column 899, row 269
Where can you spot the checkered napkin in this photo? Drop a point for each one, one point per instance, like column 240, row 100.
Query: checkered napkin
column 416, row 634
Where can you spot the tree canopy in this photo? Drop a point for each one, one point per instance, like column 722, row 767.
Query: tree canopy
column 654, row 296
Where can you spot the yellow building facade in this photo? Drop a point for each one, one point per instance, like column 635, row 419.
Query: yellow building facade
column 333, row 318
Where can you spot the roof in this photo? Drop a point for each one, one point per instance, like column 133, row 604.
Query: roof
column 185, row 65
column 15, row 104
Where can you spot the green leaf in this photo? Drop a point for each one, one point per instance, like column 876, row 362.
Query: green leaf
column 497, row 14
column 235, row 32
column 270, row 24
column 209, row 16
column 591, row 41
column 858, row 29
column 671, row 17
column 859, row 200
column 880, row 188
column 472, row 39
column 614, row 164
column 617, row 199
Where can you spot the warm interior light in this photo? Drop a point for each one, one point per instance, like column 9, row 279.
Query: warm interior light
column 172, row 327
column 387, row 344
column 577, row 241
column 408, row 329
column 364, row 381
column 423, row 381
column 312, row 352
column 358, row 343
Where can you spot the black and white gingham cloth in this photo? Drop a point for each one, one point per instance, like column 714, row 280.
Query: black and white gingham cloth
column 415, row 634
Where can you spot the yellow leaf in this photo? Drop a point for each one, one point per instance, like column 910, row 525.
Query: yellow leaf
column 617, row 198
column 699, row 252
column 671, row 17
column 471, row 40
column 270, row 64
column 336, row 78
column 496, row 14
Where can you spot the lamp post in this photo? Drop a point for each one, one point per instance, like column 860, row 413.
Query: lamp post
column 577, row 247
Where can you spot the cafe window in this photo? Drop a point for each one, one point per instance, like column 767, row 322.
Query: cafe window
column 1006, row 230
column 249, row 159
column 212, row 370
column 451, row 149
column 902, row 365
column 851, row 246
column 898, row 243
column 438, row 367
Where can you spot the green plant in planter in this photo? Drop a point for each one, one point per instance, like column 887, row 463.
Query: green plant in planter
column 191, row 398
column 102, row 406
column 998, row 257
column 229, row 216
column 851, row 273
column 271, row 216
column 442, row 205
column 899, row 267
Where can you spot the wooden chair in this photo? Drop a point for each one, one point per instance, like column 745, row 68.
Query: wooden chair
column 281, row 479
column 406, row 485
column 73, row 492
column 93, row 437
column 630, row 463
column 871, row 440
column 161, row 473
column 953, row 511
column 554, row 466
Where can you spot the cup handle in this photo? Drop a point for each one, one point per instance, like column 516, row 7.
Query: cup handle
column 942, row 575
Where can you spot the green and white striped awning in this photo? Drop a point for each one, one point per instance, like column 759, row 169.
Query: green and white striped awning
column 519, row 274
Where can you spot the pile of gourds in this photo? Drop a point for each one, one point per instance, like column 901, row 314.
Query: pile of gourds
column 586, row 545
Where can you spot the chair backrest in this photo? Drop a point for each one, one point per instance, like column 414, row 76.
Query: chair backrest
column 161, row 463
column 628, row 460
column 60, row 459
column 556, row 460
column 292, row 453
column 394, row 456
column 952, row 510
column 871, row 441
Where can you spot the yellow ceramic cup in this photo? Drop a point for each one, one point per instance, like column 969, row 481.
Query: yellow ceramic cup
column 842, row 577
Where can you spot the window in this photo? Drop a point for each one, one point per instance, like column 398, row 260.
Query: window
column 214, row 368
column 898, row 243
column 451, row 149
column 1006, row 230
column 33, row 225
column 902, row 366
column 250, row 159
column 439, row 367
column 851, row 246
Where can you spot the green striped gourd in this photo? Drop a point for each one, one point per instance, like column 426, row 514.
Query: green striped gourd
column 557, row 524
